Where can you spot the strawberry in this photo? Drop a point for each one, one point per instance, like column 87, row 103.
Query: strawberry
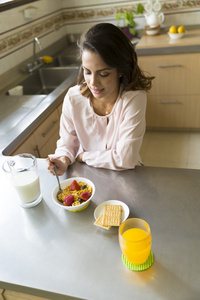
column 85, row 196
column 74, row 186
column 69, row 200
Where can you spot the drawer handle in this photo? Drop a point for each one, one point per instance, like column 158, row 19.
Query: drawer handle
column 38, row 151
column 49, row 129
column 169, row 66
column 170, row 102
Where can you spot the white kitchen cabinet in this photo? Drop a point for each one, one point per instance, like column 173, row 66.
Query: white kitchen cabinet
column 174, row 100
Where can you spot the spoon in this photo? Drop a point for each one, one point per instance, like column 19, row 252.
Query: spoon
column 60, row 190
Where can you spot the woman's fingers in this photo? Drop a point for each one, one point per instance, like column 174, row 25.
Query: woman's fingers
column 61, row 164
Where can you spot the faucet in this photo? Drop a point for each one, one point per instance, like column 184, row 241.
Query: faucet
column 37, row 63
column 34, row 49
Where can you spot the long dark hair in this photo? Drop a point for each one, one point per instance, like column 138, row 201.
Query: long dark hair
column 117, row 51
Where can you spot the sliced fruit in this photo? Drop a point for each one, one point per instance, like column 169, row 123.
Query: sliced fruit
column 69, row 200
column 85, row 196
column 74, row 186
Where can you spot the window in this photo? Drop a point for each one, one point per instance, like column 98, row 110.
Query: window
column 8, row 4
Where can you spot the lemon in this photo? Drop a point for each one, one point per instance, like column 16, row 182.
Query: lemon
column 47, row 59
column 173, row 29
column 181, row 29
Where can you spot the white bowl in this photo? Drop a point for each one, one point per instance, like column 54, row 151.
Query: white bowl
column 152, row 31
column 176, row 36
column 100, row 208
column 67, row 182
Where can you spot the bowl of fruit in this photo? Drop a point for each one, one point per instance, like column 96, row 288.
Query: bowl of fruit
column 76, row 194
column 176, row 32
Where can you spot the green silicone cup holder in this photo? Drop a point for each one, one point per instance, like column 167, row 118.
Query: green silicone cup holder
column 139, row 268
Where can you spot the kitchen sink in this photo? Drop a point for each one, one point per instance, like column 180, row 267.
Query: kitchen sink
column 46, row 80
column 63, row 61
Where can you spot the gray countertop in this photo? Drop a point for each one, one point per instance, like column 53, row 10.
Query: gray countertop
column 52, row 253
column 19, row 115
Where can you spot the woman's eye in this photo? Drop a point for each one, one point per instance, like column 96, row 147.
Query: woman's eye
column 104, row 75
column 86, row 72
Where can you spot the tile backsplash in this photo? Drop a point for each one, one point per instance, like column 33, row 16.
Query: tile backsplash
column 51, row 20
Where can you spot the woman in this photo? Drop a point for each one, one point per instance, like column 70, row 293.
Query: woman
column 103, row 117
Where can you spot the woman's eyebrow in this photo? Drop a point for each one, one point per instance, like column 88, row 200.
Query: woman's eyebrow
column 105, row 69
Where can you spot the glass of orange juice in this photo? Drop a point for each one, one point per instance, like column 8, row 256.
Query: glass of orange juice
column 135, row 240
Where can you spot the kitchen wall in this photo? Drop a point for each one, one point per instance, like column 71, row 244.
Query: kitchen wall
column 51, row 20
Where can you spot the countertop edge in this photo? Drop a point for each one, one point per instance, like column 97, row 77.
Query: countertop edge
column 167, row 50
column 36, row 292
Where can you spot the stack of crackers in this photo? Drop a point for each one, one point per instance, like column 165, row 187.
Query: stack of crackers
column 111, row 216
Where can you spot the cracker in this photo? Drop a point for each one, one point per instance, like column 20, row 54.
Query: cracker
column 112, row 215
column 99, row 223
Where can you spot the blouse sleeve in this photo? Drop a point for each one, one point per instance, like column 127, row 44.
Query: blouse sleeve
column 68, row 144
column 130, row 136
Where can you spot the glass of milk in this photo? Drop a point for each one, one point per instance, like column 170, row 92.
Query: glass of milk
column 22, row 172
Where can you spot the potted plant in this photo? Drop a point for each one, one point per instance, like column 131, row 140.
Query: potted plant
column 129, row 23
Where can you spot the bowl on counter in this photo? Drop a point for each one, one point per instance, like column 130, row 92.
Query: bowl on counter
column 67, row 183
column 176, row 36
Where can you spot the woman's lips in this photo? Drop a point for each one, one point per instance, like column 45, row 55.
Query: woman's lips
column 97, row 91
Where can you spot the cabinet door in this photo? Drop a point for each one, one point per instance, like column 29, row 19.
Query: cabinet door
column 173, row 111
column 12, row 295
column 1, row 294
column 47, row 129
column 50, row 146
column 175, row 74
column 43, row 140
column 60, row 109
column 173, row 101
column 28, row 146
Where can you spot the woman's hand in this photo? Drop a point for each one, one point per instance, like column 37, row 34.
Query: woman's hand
column 80, row 157
column 61, row 164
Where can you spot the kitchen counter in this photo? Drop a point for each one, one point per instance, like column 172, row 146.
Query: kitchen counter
column 162, row 44
column 19, row 115
column 52, row 253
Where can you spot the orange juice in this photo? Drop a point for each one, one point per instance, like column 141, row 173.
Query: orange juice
column 134, row 234
column 136, row 245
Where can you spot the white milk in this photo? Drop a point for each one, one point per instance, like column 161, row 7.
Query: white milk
column 27, row 185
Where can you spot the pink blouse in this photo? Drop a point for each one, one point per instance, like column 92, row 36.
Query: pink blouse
column 112, row 141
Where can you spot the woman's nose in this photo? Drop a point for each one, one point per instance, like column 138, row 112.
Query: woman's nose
column 94, row 79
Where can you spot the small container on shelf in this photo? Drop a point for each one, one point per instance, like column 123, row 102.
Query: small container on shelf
column 152, row 30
